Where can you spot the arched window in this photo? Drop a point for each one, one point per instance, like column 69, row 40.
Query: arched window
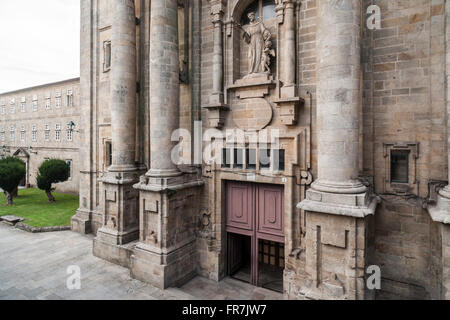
column 264, row 8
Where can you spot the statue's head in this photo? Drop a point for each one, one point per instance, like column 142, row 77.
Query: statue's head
column 251, row 16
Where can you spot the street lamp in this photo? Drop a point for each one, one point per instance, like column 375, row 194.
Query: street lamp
column 30, row 149
column 71, row 127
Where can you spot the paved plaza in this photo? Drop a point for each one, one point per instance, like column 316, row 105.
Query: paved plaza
column 34, row 266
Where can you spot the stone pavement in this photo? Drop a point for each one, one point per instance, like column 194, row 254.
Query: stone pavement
column 34, row 266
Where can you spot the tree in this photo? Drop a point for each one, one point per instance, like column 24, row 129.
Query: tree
column 52, row 171
column 12, row 159
column 12, row 171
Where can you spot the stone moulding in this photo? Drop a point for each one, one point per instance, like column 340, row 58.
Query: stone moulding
column 441, row 211
column 340, row 209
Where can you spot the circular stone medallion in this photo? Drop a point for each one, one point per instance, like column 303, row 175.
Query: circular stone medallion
column 252, row 114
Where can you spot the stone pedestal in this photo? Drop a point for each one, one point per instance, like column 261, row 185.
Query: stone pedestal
column 81, row 222
column 165, row 255
column 337, row 256
column 120, row 218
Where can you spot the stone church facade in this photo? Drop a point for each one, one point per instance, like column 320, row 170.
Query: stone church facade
column 313, row 150
column 33, row 127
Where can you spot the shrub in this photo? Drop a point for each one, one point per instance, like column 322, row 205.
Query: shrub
column 12, row 171
column 52, row 171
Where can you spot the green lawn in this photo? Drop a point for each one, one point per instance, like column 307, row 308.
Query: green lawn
column 33, row 205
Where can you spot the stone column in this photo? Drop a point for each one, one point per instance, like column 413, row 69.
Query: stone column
column 338, row 207
column 84, row 221
column 168, row 198
column 440, row 212
column 289, row 43
column 164, row 86
column 218, row 59
column 289, row 102
column 123, row 87
column 119, row 198
column 338, row 98
column 216, row 105
column 446, row 191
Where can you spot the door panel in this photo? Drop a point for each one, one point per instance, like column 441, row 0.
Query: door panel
column 270, row 211
column 240, row 206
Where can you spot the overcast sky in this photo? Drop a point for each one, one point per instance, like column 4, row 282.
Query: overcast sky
column 39, row 42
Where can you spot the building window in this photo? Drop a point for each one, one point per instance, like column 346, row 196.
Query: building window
column 267, row 7
column 226, row 158
column 3, row 109
column 12, row 133
column 23, row 104
column 34, row 133
column 2, row 134
column 13, row 105
column 48, row 102
column 69, row 98
column 22, row 133
column 35, row 103
column 279, row 158
column 69, row 163
column 69, row 135
column 58, row 132
column 238, row 158
column 251, row 159
column 400, row 166
column 108, row 153
column 47, row 132
column 58, row 100
column 106, row 56
column 264, row 159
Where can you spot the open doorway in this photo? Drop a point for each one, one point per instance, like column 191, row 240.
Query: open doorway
column 239, row 257
column 255, row 234
column 271, row 265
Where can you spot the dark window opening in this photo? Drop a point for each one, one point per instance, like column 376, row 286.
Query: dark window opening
column 226, row 158
column 238, row 158
column 264, row 159
column 267, row 7
column 108, row 154
column 107, row 55
column 251, row 159
column 400, row 166
column 279, row 158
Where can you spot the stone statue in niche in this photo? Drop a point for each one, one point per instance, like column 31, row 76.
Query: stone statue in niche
column 258, row 38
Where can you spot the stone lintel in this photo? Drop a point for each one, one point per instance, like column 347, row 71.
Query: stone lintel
column 441, row 211
column 357, row 206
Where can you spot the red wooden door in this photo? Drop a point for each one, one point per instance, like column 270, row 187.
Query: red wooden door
column 256, row 211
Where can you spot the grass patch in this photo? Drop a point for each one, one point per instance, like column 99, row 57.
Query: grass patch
column 33, row 205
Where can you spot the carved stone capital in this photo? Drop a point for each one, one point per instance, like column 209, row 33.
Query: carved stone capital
column 217, row 10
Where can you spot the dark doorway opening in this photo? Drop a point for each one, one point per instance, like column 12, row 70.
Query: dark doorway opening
column 239, row 257
column 271, row 265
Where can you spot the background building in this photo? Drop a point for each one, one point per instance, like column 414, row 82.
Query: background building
column 361, row 113
column 34, row 126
